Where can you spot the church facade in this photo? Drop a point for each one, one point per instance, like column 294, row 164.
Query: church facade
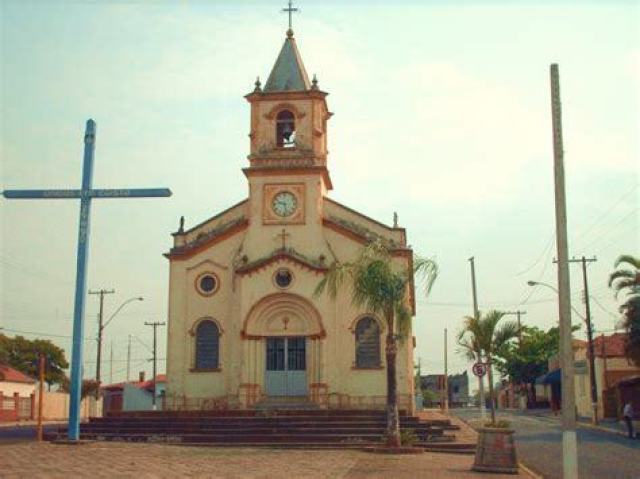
column 244, row 325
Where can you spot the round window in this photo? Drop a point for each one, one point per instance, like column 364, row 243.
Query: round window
column 207, row 284
column 283, row 278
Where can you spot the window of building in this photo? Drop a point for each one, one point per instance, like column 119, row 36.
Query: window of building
column 285, row 129
column 283, row 278
column 367, row 343
column 207, row 345
column 207, row 284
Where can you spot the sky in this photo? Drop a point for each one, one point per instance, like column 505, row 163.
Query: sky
column 442, row 114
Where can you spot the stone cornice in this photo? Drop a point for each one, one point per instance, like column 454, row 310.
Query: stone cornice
column 287, row 254
column 208, row 239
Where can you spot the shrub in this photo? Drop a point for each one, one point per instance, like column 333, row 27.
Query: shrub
column 501, row 424
column 408, row 437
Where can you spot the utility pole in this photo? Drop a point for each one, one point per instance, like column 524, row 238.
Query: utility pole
column 446, row 376
column 476, row 314
column 41, row 366
column 111, row 365
column 592, row 358
column 129, row 359
column 604, row 368
column 518, row 313
column 101, row 292
column 569, row 440
column 155, row 355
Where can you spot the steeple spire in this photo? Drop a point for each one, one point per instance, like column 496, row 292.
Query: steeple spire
column 288, row 73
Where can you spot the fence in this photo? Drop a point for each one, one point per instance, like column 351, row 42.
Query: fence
column 15, row 408
column 329, row 401
column 55, row 406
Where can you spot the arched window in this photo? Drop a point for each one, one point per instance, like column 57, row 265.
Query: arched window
column 285, row 129
column 207, row 345
column 367, row 343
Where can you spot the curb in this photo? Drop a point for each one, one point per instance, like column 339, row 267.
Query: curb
column 602, row 429
column 529, row 471
column 525, row 468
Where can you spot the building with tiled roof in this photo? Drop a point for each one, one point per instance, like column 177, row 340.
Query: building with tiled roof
column 16, row 389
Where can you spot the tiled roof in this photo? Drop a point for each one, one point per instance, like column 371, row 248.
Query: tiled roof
column 160, row 378
column 613, row 345
column 11, row 375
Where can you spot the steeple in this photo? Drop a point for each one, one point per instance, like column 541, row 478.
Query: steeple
column 288, row 73
column 288, row 121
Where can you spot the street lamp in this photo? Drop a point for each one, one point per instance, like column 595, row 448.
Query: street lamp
column 100, row 329
column 592, row 365
column 539, row 283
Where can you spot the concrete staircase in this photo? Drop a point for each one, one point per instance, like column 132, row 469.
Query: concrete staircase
column 267, row 427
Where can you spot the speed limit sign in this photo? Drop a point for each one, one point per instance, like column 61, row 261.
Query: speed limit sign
column 479, row 369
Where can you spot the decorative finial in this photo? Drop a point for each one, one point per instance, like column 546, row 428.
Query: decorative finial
column 181, row 229
column 314, row 82
column 290, row 10
column 395, row 219
column 257, row 84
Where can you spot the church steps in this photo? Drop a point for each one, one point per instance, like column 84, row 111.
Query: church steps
column 422, row 432
column 315, row 429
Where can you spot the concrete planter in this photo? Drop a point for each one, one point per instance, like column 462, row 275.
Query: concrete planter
column 496, row 451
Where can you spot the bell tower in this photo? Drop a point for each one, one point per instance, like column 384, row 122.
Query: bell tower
column 288, row 121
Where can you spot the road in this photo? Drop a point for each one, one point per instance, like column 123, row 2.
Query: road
column 14, row 433
column 601, row 455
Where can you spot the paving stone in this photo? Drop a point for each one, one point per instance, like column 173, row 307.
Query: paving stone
column 141, row 461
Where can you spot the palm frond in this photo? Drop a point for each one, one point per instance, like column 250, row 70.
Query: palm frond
column 627, row 258
column 427, row 270
column 621, row 273
column 337, row 276
column 505, row 333
column 403, row 320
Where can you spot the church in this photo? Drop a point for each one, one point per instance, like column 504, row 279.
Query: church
column 244, row 325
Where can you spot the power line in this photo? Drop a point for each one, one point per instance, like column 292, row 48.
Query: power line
column 608, row 231
column 609, row 210
column 43, row 334
column 603, row 308
column 545, row 252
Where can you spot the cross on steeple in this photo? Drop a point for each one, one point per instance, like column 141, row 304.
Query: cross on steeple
column 290, row 9
column 283, row 236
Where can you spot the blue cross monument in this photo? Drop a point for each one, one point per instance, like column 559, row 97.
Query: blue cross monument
column 85, row 194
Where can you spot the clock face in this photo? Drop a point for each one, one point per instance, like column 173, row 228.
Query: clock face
column 284, row 204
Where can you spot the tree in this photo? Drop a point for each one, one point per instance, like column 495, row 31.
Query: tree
column 628, row 280
column 483, row 336
column 22, row 354
column 527, row 360
column 379, row 286
column 89, row 387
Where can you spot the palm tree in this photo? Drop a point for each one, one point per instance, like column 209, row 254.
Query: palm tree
column 482, row 336
column 629, row 280
column 379, row 286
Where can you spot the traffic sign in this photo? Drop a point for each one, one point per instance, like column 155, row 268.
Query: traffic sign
column 479, row 369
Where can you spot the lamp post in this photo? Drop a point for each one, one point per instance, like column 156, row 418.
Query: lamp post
column 553, row 288
column 592, row 365
column 101, row 327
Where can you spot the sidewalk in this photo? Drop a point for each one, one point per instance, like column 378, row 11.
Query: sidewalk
column 138, row 460
column 29, row 423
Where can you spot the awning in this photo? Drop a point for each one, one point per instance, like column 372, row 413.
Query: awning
column 552, row 377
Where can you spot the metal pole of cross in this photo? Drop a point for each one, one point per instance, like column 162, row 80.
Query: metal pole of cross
column 85, row 194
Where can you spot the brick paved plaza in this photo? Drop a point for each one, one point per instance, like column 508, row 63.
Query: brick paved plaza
column 101, row 459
